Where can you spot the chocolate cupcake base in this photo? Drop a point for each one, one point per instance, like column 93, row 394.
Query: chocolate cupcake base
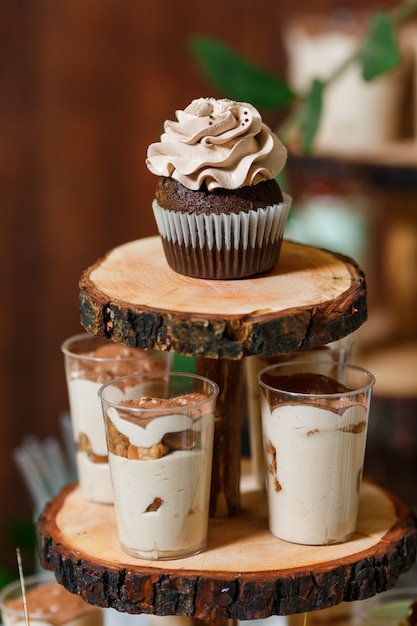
column 223, row 247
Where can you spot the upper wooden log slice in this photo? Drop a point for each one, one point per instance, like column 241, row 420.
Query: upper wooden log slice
column 312, row 297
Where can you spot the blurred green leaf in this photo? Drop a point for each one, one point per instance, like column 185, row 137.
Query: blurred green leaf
column 310, row 114
column 238, row 79
column 379, row 52
column 6, row 576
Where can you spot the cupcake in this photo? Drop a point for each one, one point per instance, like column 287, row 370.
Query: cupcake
column 218, row 208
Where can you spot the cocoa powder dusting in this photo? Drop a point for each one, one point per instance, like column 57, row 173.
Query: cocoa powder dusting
column 111, row 360
column 314, row 387
column 179, row 402
column 306, row 383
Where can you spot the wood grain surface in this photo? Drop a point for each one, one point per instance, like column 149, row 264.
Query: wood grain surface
column 243, row 573
column 311, row 297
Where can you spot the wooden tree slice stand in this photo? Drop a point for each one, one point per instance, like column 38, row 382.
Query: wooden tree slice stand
column 312, row 297
column 243, row 573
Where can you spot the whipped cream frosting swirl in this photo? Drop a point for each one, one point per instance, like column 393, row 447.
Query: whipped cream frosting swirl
column 221, row 143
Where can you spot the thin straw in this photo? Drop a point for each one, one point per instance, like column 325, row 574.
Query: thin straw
column 68, row 437
column 22, row 586
column 37, row 452
column 44, row 466
column 56, row 463
column 33, row 479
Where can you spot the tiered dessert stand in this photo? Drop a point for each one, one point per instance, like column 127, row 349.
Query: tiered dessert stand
column 311, row 298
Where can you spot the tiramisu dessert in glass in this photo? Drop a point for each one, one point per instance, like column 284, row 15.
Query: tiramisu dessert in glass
column 334, row 353
column 90, row 362
column 47, row 604
column 314, row 432
column 160, row 429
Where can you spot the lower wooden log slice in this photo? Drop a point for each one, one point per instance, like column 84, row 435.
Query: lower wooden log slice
column 244, row 572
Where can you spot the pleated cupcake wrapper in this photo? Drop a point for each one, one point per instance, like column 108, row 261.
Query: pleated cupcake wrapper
column 235, row 230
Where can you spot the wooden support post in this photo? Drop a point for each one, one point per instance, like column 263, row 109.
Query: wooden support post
column 228, row 374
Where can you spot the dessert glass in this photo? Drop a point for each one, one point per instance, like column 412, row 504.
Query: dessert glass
column 314, row 431
column 91, row 361
column 48, row 604
column 390, row 608
column 160, row 429
column 334, row 353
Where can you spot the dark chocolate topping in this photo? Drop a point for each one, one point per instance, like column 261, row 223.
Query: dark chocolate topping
column 304, row 383
column 317, row 391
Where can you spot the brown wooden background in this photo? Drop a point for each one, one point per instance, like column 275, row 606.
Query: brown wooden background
column 84, row 88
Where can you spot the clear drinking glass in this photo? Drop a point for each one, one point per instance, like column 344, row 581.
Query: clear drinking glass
column 48, row 604
column 333, row 353
column 391, row 608
column 160, row 429
column 314, row 432
column 91, row 361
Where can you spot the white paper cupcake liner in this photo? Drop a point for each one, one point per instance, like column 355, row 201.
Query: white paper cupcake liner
column 237, row 230
column 231, row 245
